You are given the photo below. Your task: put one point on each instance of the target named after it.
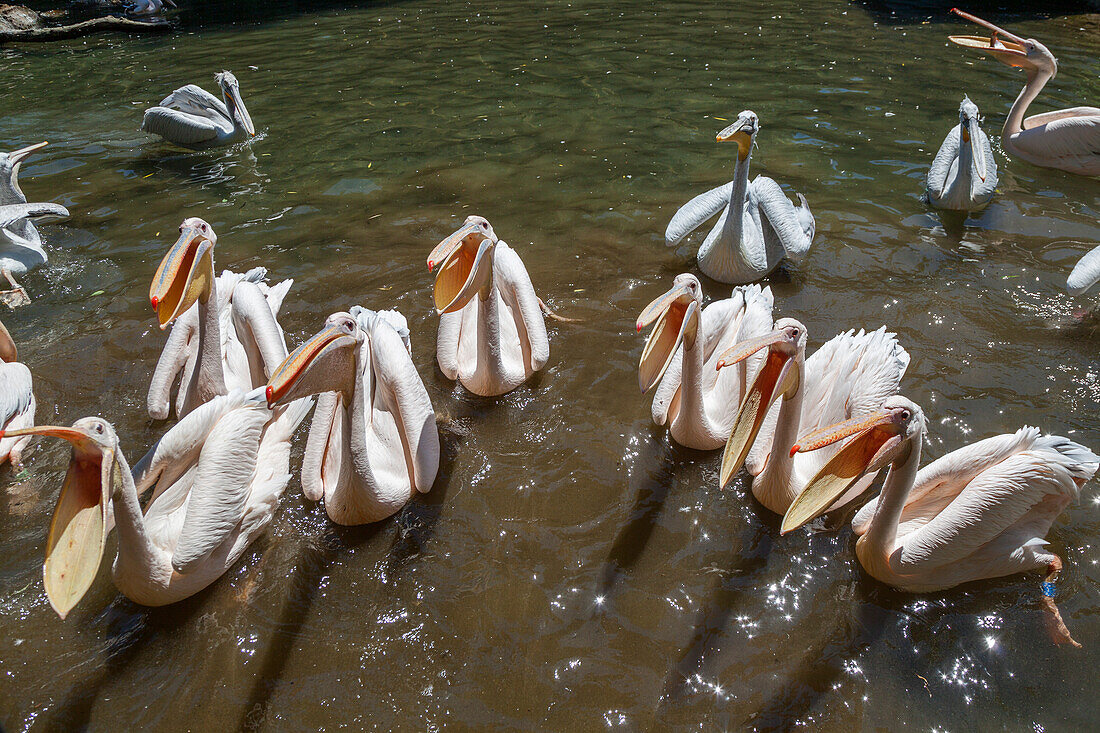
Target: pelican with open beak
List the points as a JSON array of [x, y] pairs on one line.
[[978, 512], [849, 375], [697, 402], [20, 243], [492, 330], [226, 334], [759, 225], [963, 175], [373, 444], [216, 476], [1067, 139], [193, 118]]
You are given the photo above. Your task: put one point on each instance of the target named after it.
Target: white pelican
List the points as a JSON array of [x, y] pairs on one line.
[[145, 8], [1085, 273], [16, 399], [218, 476], [978, 512], [492, 332], [193, 118], [759, 226], [849, 376], [373, 443], [1067, 139], [697, 402], [963, 175], [226, 335], [20, 244]]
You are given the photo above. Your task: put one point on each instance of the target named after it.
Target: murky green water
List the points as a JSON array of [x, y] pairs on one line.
[[571, 569]]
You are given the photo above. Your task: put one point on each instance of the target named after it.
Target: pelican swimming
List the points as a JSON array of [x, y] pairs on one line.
[[226, 334], [759, 226], [217, 477], [145, 8], [193, 118], [373, 443], [492, 332], [1067, 139], [978, 512], [697, 402], [963, 175], [16, 399], [1085, 273], [20, 243], [849, 376]]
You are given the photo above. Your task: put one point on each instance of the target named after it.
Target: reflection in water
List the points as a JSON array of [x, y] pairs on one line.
[[571, 569]]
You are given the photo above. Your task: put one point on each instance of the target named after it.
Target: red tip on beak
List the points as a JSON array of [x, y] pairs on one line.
[[155, 300], [269, 392], [1, 434], [430, 265], [639, 328], [794, 449]]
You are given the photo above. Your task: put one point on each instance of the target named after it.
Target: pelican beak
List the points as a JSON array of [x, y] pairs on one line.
[[78, 530], [777, 376], [18, 156], [238, 103], [740, 132], [971, 136], [318, 365], [677, 316], [184, 276], [878, 441], [1002, 45], [465, 265]]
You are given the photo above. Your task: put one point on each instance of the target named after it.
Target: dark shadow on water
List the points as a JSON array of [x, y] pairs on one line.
[[650, 476], [1001, 12], [415, 525]]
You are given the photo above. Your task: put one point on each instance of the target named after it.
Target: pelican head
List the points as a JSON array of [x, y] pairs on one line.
[[9, 168], [78, 530], [969, 127], [231, 92], [465, 262], [1008, 48], [885, 437], [743, 132], [186, 274], [8, 352], [779, 375], [676, 314], [325, 363]]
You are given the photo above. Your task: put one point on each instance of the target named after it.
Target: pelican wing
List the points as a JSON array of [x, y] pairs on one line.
[[195, 100], [12, 213], [1085, 273], [794, 227], [1071, 141], [397, 374], [991, 500], [688, 218], [222, 483], [179, 127], [945, 164], [515, 288]]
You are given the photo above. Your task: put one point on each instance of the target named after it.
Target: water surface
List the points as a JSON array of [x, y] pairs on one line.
[[571, 568]]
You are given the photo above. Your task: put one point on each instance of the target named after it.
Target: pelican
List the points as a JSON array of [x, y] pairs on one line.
[[1085, 273], [20, 244], [697, 402], [759, 226], [145, 8], [1067, 139], [373, 443], [492, 332], [226, 335], [217, 477], [963, 175], [978, 512], [191, 117], [849, 376], [16, 399]]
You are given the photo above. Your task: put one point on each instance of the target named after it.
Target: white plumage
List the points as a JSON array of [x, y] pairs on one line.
[[193, 118]]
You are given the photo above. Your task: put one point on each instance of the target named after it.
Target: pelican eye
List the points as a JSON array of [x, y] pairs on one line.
[[905, 415], [98, 428]]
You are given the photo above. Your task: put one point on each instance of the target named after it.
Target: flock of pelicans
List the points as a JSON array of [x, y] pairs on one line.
[[813, 431]]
